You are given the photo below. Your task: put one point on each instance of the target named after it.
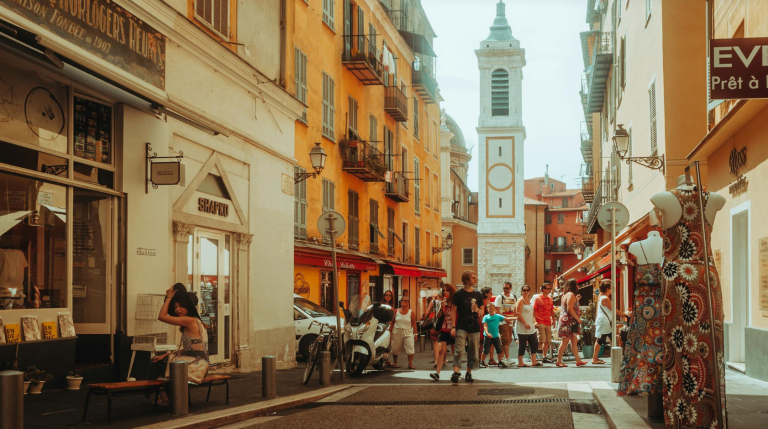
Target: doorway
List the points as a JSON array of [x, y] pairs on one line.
[[740, 285], [211, 279]]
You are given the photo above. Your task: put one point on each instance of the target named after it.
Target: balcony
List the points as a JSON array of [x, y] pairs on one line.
[[584, 93], [588, 189], [400, 19], [397, 189], [396, 104], [361, 57], [605, 193], [363, 160], [565, 248], [586, 144], [601, 58], [424, 82]]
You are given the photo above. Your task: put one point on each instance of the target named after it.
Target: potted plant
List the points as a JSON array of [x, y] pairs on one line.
[[587, 339], [38, 378], [73, 381]]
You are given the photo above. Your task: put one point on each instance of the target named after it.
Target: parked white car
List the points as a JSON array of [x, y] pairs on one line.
[[304, 312]]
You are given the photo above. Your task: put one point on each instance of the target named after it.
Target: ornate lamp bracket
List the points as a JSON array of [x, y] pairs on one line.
[[652, 162]]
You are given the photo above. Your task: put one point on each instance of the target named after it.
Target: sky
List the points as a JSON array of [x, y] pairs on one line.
[[548, 30]]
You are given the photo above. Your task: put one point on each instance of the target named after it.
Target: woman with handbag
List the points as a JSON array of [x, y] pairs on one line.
[[179, 309], [570, 324], [603, 322], [430, 324], [444, 325]]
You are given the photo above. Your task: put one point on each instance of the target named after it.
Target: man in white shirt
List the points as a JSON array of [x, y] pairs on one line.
[[505, 305]]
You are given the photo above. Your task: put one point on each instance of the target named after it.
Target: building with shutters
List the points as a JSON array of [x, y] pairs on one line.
[[86, 232], [365, 71]]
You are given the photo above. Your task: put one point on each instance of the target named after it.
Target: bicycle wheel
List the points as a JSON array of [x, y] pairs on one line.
[[312, 361]]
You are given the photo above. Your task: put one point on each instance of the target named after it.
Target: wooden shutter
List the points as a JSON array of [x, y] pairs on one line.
[[417, 246], [353, 220], [300, 206], [415, 117], [328, 8], [300, 79], [373, 125], [374, 225], [654, 130], [329, 196], [329, 111], [416, 186], [390, 231], [214, 14]]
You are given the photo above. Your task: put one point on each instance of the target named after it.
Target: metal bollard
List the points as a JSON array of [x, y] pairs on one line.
[[179, 388], [421, 343], [325, 368], [11, 400], [655, 406], [268, 384]]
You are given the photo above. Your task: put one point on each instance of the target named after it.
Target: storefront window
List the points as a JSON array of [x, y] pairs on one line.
[[33, 243], [92, 130], [91, 244], [226, 296], [327, 299], [209, 290]]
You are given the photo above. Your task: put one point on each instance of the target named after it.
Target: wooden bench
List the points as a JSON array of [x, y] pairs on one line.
[[125, 388]]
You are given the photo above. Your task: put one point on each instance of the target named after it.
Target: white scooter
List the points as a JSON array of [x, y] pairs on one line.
[[367, 334]]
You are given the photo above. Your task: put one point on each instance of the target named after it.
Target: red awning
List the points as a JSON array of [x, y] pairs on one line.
[[403, 270], [434, 273], [343, 264], [601, 271]]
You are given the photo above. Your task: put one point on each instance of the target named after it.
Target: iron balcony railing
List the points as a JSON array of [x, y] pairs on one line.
[[363, 160], [586, 144], [588, 189], [565, 248], [361, 57], [396, 104], [397, 189], [424, 81], [605, 193], [400, 20], [602, 59]]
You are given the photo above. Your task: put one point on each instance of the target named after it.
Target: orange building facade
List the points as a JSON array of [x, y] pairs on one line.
[[366, 73]]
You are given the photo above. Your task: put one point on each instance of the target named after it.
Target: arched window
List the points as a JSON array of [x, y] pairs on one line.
[[500, 93]]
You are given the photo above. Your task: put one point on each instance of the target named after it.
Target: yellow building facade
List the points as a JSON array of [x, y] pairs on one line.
[[366, 72]]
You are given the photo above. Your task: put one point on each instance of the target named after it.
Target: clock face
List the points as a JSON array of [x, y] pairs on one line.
[[44, 114]]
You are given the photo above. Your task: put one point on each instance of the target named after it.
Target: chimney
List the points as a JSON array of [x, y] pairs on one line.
[[546, 178]]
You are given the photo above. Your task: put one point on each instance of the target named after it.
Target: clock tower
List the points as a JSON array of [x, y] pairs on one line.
[[501, 225]]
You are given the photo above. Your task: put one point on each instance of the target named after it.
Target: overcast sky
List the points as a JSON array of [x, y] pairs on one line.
[[548, 30]]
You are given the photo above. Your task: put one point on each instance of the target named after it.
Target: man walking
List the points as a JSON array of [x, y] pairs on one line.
[[466, 321], [543, 314], [505, 304]]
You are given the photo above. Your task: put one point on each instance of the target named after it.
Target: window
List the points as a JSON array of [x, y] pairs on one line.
[[352, 115], [629, 154], [416, 117], [390, 231], [328, 7], [427, 189], [560, 241], [214, 14], [436, 204], [558, 265], [546, 239], [500, 93], [405, 241], [300, 206], [547, 265], [468, 256], [329, 196], [560, 218], [565, 202], [548, 218], [374, 227], [427, 241], [327, 299], [416, 185], [300, 79], [329, 89], [499, 202], [373, 125], [427, 141], [654, 130], [551, 186], [417, 245], [352, 218]]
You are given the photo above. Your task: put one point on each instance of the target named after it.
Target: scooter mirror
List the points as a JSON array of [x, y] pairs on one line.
[[341, 304]]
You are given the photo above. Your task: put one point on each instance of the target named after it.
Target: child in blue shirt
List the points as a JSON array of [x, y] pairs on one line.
[[491, 323]]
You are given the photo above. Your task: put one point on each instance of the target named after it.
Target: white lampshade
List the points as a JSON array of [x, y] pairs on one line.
[[317, 156], [621, 141]]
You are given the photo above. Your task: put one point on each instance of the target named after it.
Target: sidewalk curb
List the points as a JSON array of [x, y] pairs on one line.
[[244, 412], [618, 413]]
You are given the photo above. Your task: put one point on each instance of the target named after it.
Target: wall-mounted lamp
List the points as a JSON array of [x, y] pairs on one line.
[[621, 146], [448, 244], [317, 156]]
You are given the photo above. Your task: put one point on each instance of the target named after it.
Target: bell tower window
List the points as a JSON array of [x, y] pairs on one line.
[[500, 93]]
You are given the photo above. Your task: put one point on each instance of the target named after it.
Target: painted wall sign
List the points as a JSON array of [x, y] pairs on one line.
[[738, 68], [737, 159], [165, 173], [739, 186], [104, 29], [213, 207], [287, 184]]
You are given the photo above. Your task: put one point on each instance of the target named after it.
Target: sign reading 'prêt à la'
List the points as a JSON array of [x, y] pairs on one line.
[[738, 68]]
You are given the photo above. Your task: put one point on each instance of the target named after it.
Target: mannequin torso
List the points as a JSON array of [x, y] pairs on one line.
[[650, 250], [671, 211]]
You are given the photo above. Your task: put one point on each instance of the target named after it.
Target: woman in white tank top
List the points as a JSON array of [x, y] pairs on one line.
[[403, 328], [526, 329]]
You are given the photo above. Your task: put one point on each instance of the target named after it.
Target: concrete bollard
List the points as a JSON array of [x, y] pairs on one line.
[[616, 353], [325, 368], [655, 406], [11, 400], [421, 343], [179, 389], [268, 375]]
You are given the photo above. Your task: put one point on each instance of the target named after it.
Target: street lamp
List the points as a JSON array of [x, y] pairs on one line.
[[621, 147], [448, 244], [317, 156]]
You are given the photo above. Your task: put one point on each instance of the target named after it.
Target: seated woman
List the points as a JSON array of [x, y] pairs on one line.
[[179, 309]]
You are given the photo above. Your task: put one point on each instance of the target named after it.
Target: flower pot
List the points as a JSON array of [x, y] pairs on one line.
[[35, 388], [73, 383], [587, 351], [26, 386]]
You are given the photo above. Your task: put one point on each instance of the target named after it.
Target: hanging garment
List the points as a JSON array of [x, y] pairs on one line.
[[641, 366], [690, 355]]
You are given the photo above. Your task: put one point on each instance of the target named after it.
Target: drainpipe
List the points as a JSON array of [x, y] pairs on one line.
[[283, 37], [710, 113]]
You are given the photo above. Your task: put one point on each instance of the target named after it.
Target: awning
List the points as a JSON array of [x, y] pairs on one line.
[[601, 271], [434, 273], [629, 232], [327, 261], [418, 43], [403, 270], [10, 220]]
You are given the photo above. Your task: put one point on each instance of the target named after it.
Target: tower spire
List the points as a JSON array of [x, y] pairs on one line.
[[500, 30]]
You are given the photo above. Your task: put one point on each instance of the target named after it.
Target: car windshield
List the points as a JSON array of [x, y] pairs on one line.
[[311, 308]]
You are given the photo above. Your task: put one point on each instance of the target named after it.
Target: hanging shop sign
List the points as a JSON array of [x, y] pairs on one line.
[[165, 173], [212, 207], [104, 29], [738, 68]]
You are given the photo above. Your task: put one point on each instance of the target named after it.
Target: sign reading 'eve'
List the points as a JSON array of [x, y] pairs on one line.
[[738, 68], [104, 29]]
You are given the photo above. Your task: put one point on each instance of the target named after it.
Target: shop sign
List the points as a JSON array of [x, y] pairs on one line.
[[140, 251], [738, 68], [328, 263], [165, 173], [45, 198], [739, 186], [104, 29], [213, 207]]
